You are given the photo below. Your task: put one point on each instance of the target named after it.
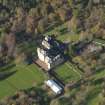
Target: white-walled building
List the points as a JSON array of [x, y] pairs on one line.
[[49, 53], [57, 89]]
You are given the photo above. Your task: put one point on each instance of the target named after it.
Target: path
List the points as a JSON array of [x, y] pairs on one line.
[[100, 43], [72, 68]]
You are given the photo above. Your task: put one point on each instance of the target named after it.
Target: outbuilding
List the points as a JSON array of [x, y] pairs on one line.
[[56, 88]]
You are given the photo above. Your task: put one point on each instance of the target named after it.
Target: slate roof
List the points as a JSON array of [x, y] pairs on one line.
[[54, 50]]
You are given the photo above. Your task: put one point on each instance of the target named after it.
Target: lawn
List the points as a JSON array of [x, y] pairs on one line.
[[67, 73], [24, 77], [64, 35], [94, 96], [99, 75], [68, 37]]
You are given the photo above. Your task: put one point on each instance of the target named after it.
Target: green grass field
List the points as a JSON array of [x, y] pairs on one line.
[[25, 77], [66, 73]]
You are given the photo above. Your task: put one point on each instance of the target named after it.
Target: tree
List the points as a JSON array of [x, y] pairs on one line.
[[55, 102], [52, 17], [31, 20], [20, 58], [10, 42], [62, 14], [20, 14], [41, 26], [73, 25], [70, 3], [19, 23], [30, 24]]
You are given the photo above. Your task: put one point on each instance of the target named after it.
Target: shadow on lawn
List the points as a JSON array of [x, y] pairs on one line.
[[7, 68], [5, 75], [63, 31], [7, 71]]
